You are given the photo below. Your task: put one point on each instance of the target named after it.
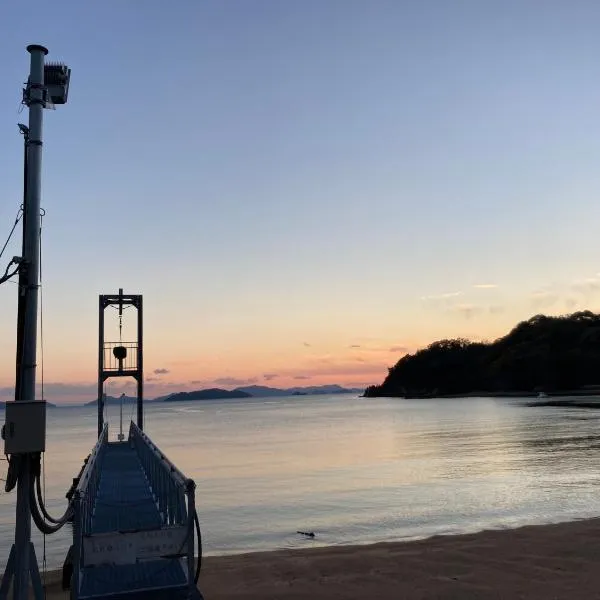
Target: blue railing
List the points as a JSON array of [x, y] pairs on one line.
[[84, 500], [170, 489]]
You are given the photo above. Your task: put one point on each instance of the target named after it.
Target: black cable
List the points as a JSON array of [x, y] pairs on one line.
[[38, 519], [38, 510], [199, 536], [43, 509], [8, 275], [18, 218]]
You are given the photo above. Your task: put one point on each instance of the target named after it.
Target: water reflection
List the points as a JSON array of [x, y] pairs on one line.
[[352, 469]]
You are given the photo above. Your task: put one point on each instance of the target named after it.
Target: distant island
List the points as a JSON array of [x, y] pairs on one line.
[[209, 394], [251, 391], [543, 354], [263, 391], [48, 405]]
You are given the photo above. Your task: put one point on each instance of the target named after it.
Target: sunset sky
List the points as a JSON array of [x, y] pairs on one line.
[[304, 191]]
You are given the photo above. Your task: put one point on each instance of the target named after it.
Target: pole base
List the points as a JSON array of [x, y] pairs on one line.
[[9, 573]]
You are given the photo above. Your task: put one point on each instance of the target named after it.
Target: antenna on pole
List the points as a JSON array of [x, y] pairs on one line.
[[25, 430]]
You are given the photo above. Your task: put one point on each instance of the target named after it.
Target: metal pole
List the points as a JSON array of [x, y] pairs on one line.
[[100, 364], [31, 252], [31, 231], [140, 363], [121, 436]]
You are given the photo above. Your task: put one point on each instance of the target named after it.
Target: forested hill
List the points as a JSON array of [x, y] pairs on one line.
[[548, 354]]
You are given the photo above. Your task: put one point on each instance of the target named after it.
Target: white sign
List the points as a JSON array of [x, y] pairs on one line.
[[126, 548]]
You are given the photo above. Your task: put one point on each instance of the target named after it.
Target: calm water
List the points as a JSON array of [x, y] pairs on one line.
[[353, 470]]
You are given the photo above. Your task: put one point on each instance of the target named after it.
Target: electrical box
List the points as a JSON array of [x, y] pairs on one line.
[[25, 427]]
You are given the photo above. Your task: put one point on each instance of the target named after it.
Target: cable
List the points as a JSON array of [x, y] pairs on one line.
[[199, 536], [39, 512], [8, 275], [17, 219], [38, 518], [42, 496]]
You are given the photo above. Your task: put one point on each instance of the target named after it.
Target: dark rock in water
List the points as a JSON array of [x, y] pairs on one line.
[[310, 534]]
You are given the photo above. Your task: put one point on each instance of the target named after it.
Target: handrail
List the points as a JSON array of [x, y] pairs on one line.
[[84, 499], [135, 433], [170, 488], [91, 465]]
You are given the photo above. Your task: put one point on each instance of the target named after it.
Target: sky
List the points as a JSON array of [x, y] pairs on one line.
[[304, 191]]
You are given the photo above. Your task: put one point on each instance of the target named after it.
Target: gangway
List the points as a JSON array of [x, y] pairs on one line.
[[133, 525]]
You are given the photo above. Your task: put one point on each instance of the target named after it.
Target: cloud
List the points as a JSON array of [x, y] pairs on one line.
[[544, 299], [495, 309], [233, 381], [354, 346], [198, 382], [270, 376], [152, 378], [588, 286], [301, 376], [306, 345], [161, 371], [467, 310], [444, 296], [570, 303], [398, 349], [486, 286]]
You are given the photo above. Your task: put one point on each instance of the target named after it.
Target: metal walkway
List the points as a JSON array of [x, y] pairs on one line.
[[134, 525]]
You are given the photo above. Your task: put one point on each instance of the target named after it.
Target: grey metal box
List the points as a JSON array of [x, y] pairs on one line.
[[25, 428]]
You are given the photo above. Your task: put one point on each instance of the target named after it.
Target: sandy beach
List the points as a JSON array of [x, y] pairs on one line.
[[538, 562]]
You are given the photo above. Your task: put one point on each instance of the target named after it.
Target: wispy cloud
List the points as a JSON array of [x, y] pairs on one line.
[[354, 346], [468, 311], [398, 349], [270, 376], [586, 286], [486, 286], [161, 371], [543, 299], [444, 296], [302, 377], [307, 345]]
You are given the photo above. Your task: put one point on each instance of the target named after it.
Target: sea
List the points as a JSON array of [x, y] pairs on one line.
[[352, 470]]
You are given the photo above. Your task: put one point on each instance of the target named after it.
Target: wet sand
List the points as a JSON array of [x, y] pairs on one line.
[[537, 562]]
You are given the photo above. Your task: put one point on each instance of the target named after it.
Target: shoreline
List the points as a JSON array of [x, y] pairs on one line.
[[533, 561]]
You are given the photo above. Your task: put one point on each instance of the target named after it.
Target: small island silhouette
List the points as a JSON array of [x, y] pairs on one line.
[[543, 354]]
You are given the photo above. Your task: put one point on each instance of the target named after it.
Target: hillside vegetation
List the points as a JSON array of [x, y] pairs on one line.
[[550, 354]]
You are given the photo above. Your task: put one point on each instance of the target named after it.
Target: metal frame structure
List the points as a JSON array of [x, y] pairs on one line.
[[134, 367]]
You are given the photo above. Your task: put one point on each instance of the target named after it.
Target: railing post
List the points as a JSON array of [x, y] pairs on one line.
[[191, 509], [77, 544]]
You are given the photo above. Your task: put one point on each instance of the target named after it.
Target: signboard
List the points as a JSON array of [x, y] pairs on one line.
[[127, 548]]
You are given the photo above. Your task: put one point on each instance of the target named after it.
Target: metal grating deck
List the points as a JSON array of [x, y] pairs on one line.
[[124, 499]]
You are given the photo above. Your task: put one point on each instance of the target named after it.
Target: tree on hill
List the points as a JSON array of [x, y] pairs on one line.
[[542, 353]]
